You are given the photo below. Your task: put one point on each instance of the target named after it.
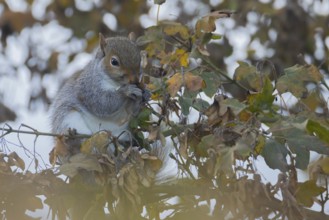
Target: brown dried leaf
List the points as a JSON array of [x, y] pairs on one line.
[[183, 146], [152, 162], [4, 166], [131, 182], [33, 203], [125, 169], [16, 160], [80, 161], [193, 82], [218, 111], [61, 148], [221, 14], [203, 50], [52, 157], [154, 133]]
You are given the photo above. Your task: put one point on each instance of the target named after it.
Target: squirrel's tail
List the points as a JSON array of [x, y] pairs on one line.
[[169, 169]]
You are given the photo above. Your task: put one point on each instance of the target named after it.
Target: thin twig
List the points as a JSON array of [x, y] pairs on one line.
[[188, 47], [38, 133]]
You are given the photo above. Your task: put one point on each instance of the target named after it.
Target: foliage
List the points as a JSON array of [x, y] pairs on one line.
[[215, 151]]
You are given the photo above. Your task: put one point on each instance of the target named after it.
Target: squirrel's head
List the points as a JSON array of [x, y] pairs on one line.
[[120, 58]]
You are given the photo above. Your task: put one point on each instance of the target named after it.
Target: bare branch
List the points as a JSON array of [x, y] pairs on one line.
[[9, 130]]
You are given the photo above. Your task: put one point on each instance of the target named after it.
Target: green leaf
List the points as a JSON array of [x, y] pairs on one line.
[[314, 127], [295, 78], [307, 191], [189, 100], [302, 156], [142, 119], [263, 100], [247, 76], [152, 34], [200, 105], [205, 143], [298, 141], [275, 154], [301, 144], [299, 138], [235, 105], [216, 36], [312, 101], [185, 104], [212, 81]]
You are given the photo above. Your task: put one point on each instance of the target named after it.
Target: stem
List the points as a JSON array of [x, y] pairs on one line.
[[222, 73], [158, 12]]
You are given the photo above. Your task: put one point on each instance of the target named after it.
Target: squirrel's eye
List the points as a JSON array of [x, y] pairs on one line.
[[115, 62]]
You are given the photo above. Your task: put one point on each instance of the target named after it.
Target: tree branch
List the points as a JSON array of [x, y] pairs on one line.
[[9, 130]]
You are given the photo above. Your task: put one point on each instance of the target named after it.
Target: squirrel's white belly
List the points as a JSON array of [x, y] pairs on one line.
[[89, 124]]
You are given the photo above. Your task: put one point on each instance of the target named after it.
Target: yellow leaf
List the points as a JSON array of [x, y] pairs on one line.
[[207, 23], [192, 83], [244, 115], [151, 86], [320, 166], [183, 57], [98, 141], [260, 144], [155, 96], [177, 28], [307, 191], [174, 84]]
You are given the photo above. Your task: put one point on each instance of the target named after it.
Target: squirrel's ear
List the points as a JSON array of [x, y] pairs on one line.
[[132, 36], [102, 43]]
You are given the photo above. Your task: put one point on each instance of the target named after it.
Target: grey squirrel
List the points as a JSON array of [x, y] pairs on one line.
[[105, 95]]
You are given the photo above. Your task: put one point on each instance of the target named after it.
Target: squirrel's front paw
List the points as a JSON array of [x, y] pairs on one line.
[[71, 132], [146, 95], [132, 91]]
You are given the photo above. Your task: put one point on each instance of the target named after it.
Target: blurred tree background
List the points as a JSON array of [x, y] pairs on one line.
[[52, 34], [281, 84]]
